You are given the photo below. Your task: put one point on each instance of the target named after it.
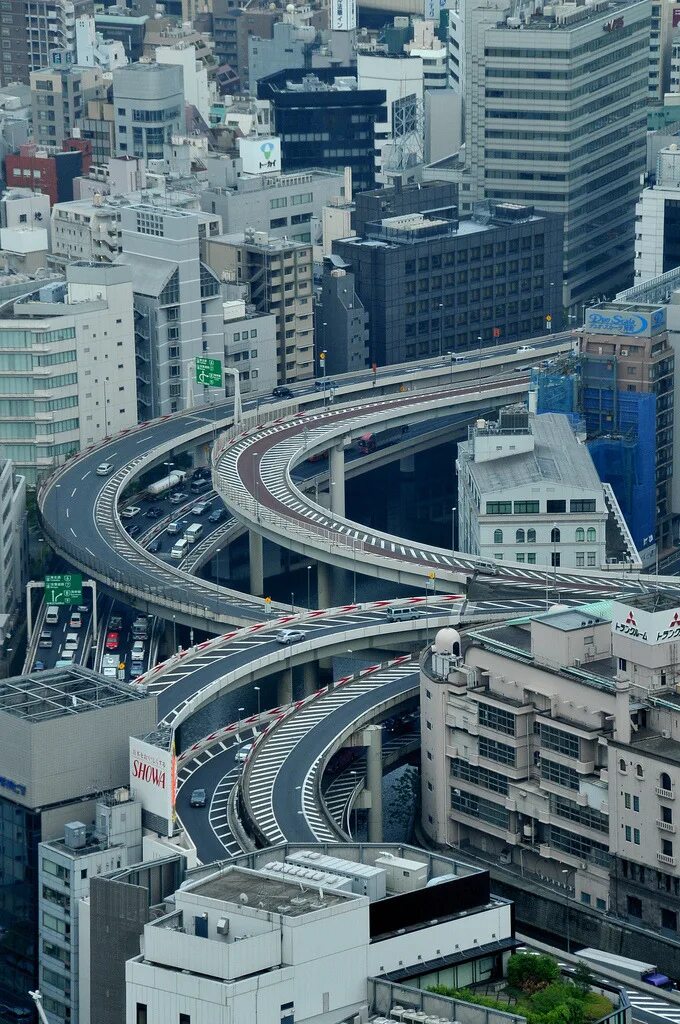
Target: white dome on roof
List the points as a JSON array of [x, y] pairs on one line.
[[446, 641]]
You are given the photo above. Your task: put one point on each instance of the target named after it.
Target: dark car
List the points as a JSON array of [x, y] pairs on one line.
[[155, 545], [134, 530], [153, 513], [38, 666], [116, 622], [198, 798], [216, 515], [281, 391]]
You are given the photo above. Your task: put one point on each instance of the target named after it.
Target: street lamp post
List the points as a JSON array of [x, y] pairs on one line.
[[441, 329], [292, 603], [565, 871], [453, 527], [257, 691], [322, 360], [309, 587], [217, 566]]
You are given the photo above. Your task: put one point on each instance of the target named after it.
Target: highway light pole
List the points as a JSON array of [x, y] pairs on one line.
[[309, 587], [257, 691], [453, 527], [441, 329]]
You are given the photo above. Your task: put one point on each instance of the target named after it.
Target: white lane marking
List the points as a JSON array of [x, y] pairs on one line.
[[85, 475], [67, 514], [74, 491], [73, 531]]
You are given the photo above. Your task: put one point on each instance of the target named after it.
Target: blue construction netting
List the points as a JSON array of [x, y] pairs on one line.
[[555, 392], [626, 459]]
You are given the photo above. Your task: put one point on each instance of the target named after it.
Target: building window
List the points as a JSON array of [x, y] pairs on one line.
[[519, 557], [665, 781], [639, 771], [626, 801], [581, 505], [478, 807], [554, 506], [519, 536], [555, 535], [669, 919], [498, 536], [531, 536], [636, 803], [667, 847], [592, 558], [667, 815], [523, 508], [636, 836], [497, 719], [559, 741], [622, 766], [585, 898], [498, 508], [634, 906], [580, 559], [580, 535], [184, 1018], [559, 774], [531, 558], [141, 1017], [592, 535], [495, 751], [629, 834]]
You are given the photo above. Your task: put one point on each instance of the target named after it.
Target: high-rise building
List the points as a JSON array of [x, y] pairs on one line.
[[555, 116], [148, 101], [59, 97], [432, 284], [13, 543], [278, 274], [341, 322], [73, 347], [65, 740], [39, 32], [178, 306], [399, 139], [326, 120], [657, 220]]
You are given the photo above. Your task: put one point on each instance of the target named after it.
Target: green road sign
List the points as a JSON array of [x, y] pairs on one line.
[[209, 372], [64, 588]]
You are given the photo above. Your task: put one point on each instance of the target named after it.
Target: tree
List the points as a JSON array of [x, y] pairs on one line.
[[532, 973], [583, 977]]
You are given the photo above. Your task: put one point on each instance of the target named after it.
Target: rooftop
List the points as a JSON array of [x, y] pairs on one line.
[[557, 457], [565, 16], [655, 601], [244, 887], [55, 693], [571, 619]]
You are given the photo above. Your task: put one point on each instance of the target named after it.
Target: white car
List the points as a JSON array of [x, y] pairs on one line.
[[289, 636], [130, 512], [71, 642], [104, 468], [65, 658], [242, 752], [526, 348]]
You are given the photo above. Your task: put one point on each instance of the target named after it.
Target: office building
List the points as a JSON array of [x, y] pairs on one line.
[[278, 274], [657, 220], [535, 133], [266, 939], [58, 97], [249, 347], [528, 492], [123, 26], [342, 328], [549, 746], [226, 15], [178, 306], [282, 205], [13, 544], [664, 21], [287, 47], [66, 866], [93, 50], [48, 170], [194, 74], [74, 346], [64, 742], [399, 139], [24, 230], [324, 119], [149, 108], [433, 284], [39, 32], [627, 395]]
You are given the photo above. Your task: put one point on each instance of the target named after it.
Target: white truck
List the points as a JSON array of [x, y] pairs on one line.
[[166, 483], [640, 970]]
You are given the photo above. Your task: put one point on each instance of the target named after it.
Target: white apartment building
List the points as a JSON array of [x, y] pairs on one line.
[[286, 935], [13, 543], [657, 216], [549, 745], [249, 347], [65, 867], [528, 492], [67, 368], [194, 74], [399, 141], [24, 230]]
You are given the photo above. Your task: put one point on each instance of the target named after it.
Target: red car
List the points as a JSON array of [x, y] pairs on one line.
[[112, 641]]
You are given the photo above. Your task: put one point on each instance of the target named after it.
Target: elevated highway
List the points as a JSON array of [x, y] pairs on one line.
[[79, 509]]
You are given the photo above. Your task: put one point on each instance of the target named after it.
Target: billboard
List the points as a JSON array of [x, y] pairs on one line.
[[650, 628], [626, 320], [343, 15], [260, 156], [153, 779]]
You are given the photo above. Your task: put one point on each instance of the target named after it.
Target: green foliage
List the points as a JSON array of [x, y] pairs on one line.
[[583, 977], [532, 973], [543, 995]]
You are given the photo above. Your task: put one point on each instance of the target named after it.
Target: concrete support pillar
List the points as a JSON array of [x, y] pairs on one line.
[[337, 482], [407, 465], [372, 737], [310, 680], [323, 586], [284, 693], [256, 564]]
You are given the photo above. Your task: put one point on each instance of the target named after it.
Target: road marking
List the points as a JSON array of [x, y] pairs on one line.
[[74, 491], [85, 475], [73, 531], [67, 514]]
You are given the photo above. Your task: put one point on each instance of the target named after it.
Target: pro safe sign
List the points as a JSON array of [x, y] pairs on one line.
[[647, 627]]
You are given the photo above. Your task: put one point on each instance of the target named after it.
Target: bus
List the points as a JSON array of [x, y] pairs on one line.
[[193, 532], [370, 442]]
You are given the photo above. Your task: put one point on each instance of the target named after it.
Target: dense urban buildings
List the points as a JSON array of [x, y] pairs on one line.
[[38, 32], [149, 108], [434, 284], [657, 220]]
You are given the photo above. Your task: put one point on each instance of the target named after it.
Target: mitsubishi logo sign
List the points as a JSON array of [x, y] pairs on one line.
[[630, 619]]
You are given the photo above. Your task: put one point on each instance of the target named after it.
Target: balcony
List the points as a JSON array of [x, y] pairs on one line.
[[665, 794], [663, 858], [665, 826]]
